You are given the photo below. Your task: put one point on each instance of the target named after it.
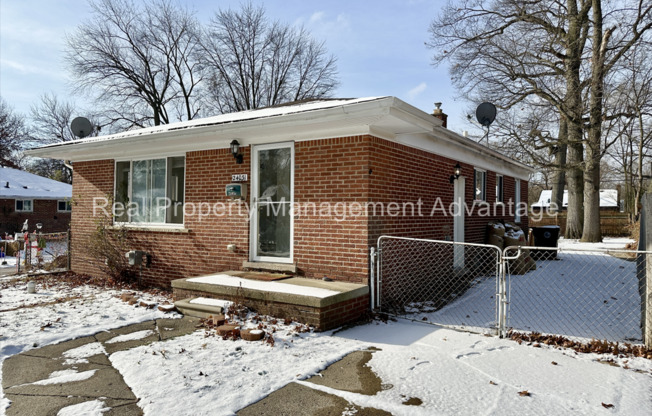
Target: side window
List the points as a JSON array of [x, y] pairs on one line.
[[499, 189], [480, 180], [517, 200], [24, 205], [64, 205]]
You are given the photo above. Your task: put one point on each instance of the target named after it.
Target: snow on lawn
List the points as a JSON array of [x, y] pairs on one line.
[[581, 295], [451, 372], [462, 373], [60, 312], [203, 369]]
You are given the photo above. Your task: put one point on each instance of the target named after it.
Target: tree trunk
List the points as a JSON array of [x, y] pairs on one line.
[[592, 232], [559, 174], [572, 109]]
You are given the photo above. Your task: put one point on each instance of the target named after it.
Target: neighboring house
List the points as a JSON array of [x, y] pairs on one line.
[[608, 200], [25, 196], [329, 159]]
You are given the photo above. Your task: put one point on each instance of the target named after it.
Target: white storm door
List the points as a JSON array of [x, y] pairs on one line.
[[272, 224]]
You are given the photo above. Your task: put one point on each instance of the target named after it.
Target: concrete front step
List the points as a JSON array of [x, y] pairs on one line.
[[200, 307], [323, 304]]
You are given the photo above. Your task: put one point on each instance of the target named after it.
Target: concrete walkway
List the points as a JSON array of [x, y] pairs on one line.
[[349, 374], [26, 379], [25, 376]]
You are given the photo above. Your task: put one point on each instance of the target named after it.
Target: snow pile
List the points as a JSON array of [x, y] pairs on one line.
[[131, 337], [80, 354], [65, 376], [89, 408]]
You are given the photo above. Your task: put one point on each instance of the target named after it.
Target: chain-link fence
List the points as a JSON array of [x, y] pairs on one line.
[[46, 251], [452, 284], [578, 294]]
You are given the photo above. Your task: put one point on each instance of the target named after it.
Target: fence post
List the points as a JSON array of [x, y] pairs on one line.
[[645, 281], [501, 297], [372, 263], [68, 252]]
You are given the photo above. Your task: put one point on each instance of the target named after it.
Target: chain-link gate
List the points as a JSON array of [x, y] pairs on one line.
[[580, 294], [451, 284], [575, 293]]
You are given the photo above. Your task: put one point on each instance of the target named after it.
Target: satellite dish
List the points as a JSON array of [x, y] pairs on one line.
[[486, 114], [81, 127]]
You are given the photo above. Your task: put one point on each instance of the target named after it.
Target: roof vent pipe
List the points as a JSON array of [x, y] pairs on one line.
[[7, 185]]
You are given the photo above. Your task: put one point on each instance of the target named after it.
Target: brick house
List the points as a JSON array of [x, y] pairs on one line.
[[25, 196], [352, 170]]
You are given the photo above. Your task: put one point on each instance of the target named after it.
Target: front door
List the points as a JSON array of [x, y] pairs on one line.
[[272, 198]]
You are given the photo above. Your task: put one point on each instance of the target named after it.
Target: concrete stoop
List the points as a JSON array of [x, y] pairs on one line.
[[322, 304]]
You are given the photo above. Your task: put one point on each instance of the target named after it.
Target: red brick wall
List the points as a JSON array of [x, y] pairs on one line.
[[403, 174], [475, 225], [332, 171], [344, 172], [44, 212]]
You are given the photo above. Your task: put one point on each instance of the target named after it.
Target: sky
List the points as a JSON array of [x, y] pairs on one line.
[[380, 48]]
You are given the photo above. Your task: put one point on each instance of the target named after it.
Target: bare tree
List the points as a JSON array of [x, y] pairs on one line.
[[254, 63], [51, 120], [510, 51], [13, 135], [139, 61]]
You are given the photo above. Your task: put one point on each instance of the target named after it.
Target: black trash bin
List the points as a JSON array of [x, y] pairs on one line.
[[545, 236]]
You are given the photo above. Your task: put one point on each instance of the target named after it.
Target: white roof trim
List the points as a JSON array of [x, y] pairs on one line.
[[385, 117]]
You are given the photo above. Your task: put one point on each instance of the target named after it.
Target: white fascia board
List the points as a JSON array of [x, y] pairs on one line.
[[452, 149], [343, 120], [388, 118]]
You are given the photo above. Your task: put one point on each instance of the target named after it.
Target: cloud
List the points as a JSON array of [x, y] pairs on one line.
[[317, 16], [416, 91], [22, 68]]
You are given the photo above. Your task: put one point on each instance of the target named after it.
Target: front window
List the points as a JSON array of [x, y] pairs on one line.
[[480, 185], [63, 205], [24, 205], [150, 191]]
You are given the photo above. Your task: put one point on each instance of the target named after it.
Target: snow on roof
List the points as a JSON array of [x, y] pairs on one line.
[[608, 199], [16, 184], [259, 113]]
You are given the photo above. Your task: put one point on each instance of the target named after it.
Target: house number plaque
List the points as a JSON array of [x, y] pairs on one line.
[[243, 177]]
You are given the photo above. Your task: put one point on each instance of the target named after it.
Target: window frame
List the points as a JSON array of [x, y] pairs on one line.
[[131, 224], [517, 200], [500, 189], [483, 194], [31, 205], [68, 205]]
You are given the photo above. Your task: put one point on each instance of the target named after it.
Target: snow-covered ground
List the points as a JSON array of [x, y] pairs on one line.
[[451, 372], [59, 312], [581, 295]]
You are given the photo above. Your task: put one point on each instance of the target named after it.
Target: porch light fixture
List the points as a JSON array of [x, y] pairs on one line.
[[456, 173], [235, 150]]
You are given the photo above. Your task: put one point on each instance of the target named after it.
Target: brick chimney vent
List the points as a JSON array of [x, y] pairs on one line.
[[439, 113]]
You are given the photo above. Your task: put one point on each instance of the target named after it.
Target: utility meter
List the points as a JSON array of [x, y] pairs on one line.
[[135, 257]]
